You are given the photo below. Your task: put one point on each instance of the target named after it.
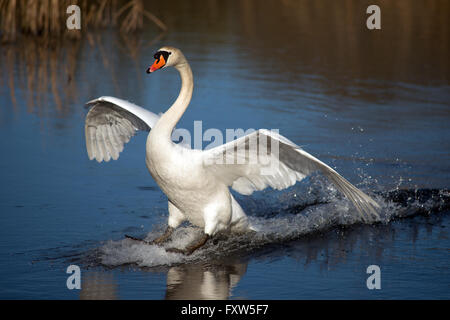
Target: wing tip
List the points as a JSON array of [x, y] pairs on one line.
[[91, 103], [366, 206]]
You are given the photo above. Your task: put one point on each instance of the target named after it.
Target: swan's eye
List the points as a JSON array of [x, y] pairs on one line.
[[165, 55]]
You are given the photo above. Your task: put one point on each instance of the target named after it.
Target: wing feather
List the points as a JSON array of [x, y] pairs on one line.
[[100, 145], [92, 145], [117, 138], [107, 140], [111, 141]]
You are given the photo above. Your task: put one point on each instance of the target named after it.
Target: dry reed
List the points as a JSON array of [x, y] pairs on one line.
[[47, 18]]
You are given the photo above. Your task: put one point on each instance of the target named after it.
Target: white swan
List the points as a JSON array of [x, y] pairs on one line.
[[197, 182]]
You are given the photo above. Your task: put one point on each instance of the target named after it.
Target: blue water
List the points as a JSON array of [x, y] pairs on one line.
[[380, 117]]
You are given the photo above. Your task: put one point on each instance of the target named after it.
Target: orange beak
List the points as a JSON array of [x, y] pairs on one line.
[[158, 64]]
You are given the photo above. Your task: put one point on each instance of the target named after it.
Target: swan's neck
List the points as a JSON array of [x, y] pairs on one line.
[[171, 117]]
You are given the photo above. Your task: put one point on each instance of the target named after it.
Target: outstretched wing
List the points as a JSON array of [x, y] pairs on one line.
[[266, 159], [110, 123]]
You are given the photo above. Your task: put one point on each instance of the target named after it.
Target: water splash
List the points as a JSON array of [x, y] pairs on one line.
[[317, 210]]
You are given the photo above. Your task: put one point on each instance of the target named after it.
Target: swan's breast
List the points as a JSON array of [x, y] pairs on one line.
[[180, 174], [175, 168]]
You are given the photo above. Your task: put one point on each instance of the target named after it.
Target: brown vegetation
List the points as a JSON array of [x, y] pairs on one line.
[[47, 18]]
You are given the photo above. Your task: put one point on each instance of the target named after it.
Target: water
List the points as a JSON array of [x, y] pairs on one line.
[[373, 105]]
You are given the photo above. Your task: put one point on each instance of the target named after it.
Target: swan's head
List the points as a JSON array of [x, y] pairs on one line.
[[167, 57]]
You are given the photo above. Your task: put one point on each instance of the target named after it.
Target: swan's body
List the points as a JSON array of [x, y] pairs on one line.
[[196, 182]]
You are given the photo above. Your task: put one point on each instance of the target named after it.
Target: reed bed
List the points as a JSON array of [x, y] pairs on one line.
[[47, 18], [38, 56]]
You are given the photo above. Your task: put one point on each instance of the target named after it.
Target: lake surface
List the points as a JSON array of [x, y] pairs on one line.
[[375, 105]]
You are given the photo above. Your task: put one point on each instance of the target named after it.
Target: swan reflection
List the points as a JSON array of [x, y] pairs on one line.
[[202, 282], [184, 282]]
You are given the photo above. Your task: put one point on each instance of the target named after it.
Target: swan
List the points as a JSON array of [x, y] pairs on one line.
[[197, 182]]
